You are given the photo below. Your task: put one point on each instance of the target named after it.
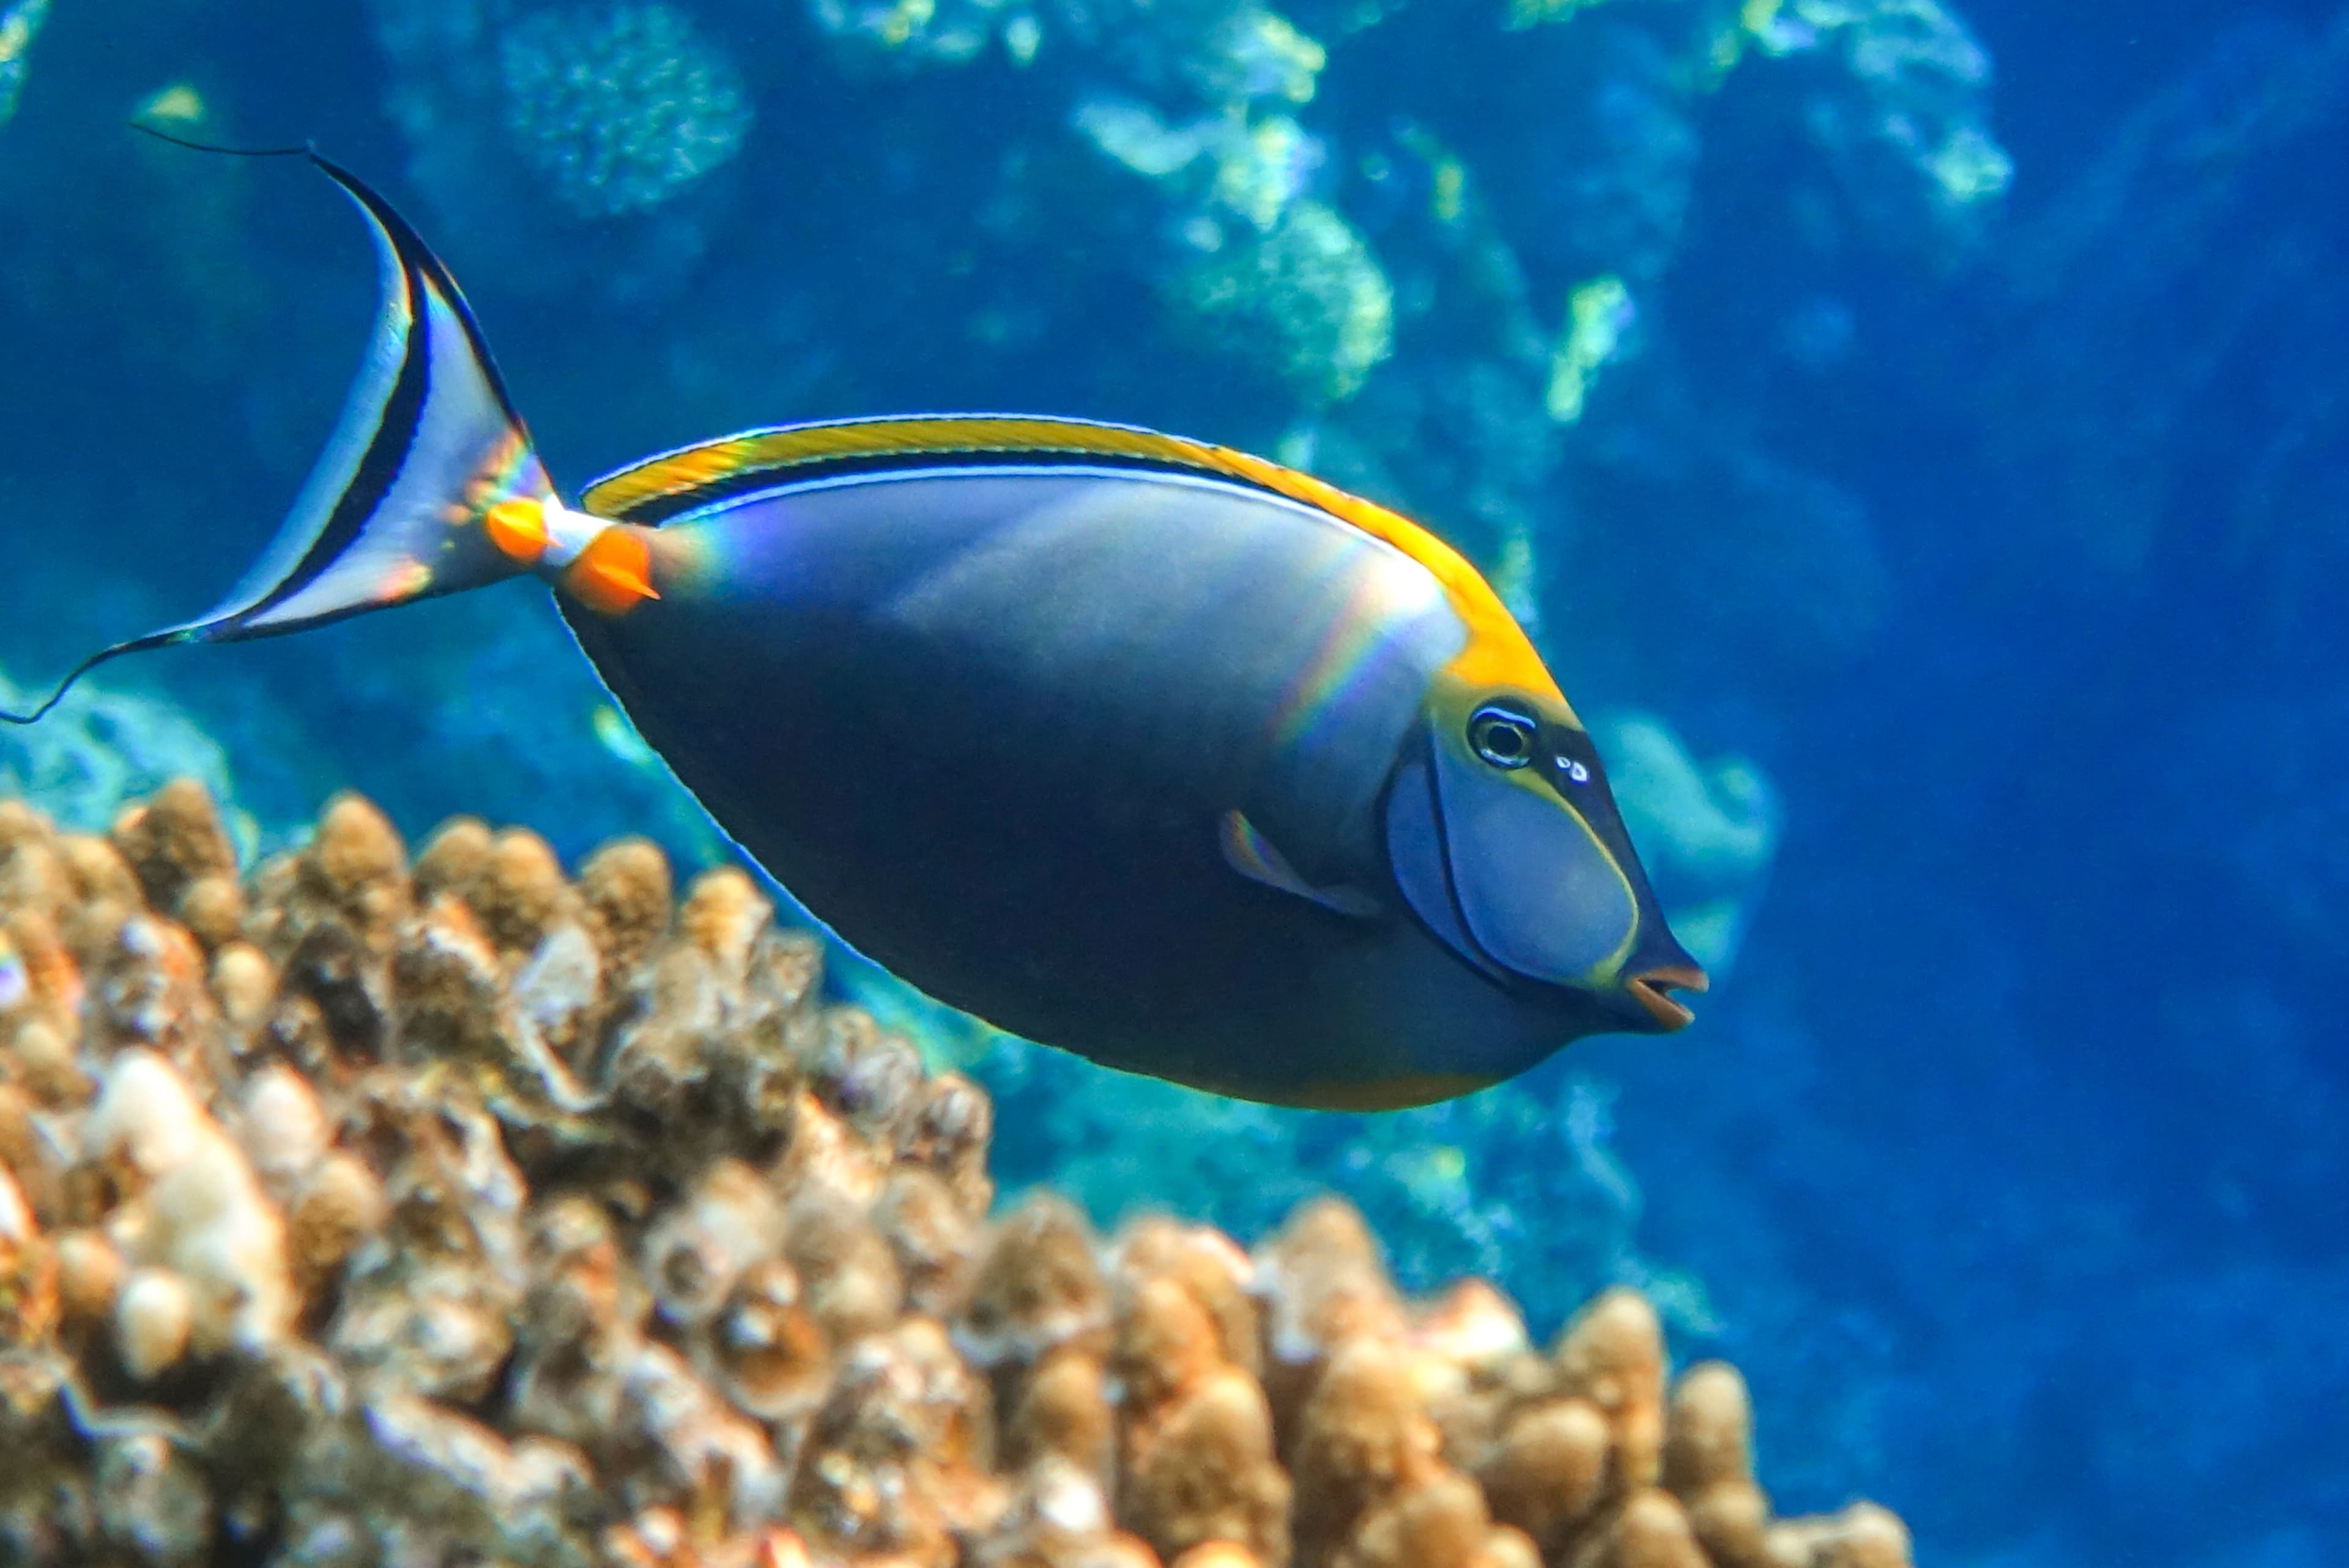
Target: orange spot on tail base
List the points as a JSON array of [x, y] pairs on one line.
[[614, 574], [517, 526]]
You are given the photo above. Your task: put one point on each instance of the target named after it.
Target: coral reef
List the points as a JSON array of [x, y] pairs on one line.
[[1524, 1182], [101, 748], [1899, 111], [618, 109], [374, 1212]]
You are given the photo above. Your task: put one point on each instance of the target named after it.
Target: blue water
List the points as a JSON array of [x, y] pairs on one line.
[[1968, 456]]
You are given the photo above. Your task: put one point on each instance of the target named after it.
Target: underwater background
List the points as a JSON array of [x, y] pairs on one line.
[[1918, 438]]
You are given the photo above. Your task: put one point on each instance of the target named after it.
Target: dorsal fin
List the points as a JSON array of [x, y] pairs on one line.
[[662, 487]]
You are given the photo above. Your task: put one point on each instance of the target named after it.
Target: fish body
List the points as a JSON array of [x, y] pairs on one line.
[[1132, 744], [988, 721]]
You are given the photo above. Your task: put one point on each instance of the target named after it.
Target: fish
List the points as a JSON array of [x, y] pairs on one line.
[[1135, 745]]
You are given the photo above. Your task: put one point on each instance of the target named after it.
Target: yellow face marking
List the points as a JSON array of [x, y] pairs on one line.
[[1497, 655]]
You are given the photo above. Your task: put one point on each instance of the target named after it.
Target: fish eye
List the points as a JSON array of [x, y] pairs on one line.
[[1502, 736]]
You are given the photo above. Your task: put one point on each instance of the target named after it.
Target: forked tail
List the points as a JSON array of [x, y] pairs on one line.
[[428, 486]]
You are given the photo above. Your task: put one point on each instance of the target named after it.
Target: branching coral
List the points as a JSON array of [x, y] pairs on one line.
[[619, 108], [326, 1239], [1306, 300], [1903, 115]]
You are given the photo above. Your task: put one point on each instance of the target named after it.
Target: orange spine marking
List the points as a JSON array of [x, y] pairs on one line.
[[613, 573], [517, 526]]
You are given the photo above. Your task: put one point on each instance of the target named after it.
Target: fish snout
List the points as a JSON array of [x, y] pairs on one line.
[[1652, 988]]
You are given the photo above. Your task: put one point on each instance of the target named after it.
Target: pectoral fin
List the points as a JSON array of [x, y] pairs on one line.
[[1258, 858]]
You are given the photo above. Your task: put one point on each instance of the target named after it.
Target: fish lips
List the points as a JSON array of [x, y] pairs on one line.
[[1652, 988]]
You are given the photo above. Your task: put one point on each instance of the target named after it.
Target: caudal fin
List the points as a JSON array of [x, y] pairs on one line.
[[414, 494]]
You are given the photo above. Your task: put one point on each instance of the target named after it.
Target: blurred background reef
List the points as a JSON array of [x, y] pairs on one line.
[[1933, 502]]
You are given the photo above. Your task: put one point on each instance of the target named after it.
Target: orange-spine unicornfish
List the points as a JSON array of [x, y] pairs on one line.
[[1133, 744]]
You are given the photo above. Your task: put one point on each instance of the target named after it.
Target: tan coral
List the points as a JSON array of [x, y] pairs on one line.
[[934, 1240], [102, 891], [950, 1135], [1206, 1471], [1060, 1519], [890, 1467], [723, 915], [340, 1204], [627, 897], [29, 1289], [35, 1158], [1208, 1265], [1363, 1437], [428, 1301], [1647, 1529], [1063, 1411], [1861, 1536], [1440, 1523], [455, 860], [1547, 1474], [1041, 1287], [1324, 1284], [730, 1219], [1709, 1465], [1612, 1354], [765, 1349], [353, 874], [1218, 1554], [41, 995], [90, 1273], [200, 1210], [185, 861], [521, 895], [150, 985], [703, 1045], [1476, 1367], [869, 1077], [32, 875], [244, 981], [479, 1215], [850, 1275]]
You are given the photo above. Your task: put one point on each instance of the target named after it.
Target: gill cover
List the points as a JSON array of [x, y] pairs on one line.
[[1540, 894], [427, 450], [1504, 869]]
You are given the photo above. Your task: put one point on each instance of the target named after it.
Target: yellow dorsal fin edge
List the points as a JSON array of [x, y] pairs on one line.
[[1497, 652]]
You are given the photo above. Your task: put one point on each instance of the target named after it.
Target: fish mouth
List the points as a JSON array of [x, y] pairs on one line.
[[1653, 990]]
